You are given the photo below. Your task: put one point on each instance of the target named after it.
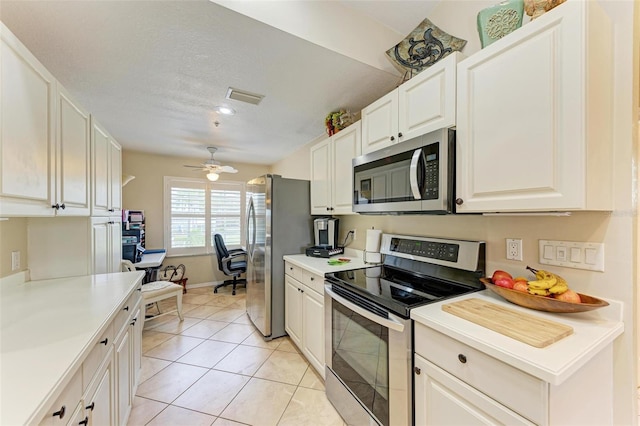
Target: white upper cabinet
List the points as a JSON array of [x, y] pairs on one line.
[[332, 172], [45, 149], [106, 159], [534, 117], [27, 131], [73, 159], [425, 103]]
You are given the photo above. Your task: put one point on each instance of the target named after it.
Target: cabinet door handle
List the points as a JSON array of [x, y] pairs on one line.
[[459, 201], [55, 206], [417, 370], [462, 358], [138, 289], [105, 341], [312, 278], [400, 134], [392, 138], [126, 308], [90, 407], [62, 206], [85, 421], [60, 413], [111, 210]]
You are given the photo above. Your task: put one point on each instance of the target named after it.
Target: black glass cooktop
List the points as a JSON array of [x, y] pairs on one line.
[[394, 289]]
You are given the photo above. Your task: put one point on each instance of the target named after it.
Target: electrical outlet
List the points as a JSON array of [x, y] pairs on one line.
[[15, 260], [514, 249]]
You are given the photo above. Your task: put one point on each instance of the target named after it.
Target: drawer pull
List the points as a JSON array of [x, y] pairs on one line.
[[417, 370], [85, 421], [61, 412], [311, 278], [126, 308], [134, 321], [90, 407], [462, 358], [139, 289], [105, 341]]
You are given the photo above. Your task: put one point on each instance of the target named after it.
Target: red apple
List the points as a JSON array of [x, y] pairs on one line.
[[569, 296], [500, 274], [520, 286], [505, 282]]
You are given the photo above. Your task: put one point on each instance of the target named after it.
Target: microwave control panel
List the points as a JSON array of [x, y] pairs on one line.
[[431, 154]]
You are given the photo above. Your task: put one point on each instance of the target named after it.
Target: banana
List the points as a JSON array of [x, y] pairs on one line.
[[538, 292], [543, 284], [558, 289]]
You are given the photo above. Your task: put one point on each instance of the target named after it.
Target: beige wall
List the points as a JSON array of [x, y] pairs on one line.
[[145, 192], [13, 237], [297, 165]]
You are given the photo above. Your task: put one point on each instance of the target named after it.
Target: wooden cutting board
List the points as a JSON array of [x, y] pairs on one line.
[[529, 329]]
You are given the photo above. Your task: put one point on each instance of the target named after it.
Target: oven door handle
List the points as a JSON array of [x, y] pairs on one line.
[[414, 173], [392, 322]]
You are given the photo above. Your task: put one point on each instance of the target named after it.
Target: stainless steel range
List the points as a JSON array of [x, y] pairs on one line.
[[369, 334]]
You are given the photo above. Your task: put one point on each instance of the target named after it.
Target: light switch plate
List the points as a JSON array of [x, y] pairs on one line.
[[572, 254]]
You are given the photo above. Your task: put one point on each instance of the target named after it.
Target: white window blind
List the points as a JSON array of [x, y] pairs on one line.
[[196, 210]]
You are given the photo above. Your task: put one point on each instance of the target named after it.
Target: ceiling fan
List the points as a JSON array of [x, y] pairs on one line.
[[213, 167]]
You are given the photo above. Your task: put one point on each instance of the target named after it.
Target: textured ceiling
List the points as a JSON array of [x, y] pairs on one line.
[[153, 71]]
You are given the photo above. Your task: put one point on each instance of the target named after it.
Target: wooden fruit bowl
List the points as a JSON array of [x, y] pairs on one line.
[[547, 304]]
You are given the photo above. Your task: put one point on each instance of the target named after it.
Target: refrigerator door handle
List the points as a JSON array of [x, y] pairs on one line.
[[251, 230]]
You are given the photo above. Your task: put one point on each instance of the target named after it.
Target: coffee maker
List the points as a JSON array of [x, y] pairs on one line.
[[325, 231]]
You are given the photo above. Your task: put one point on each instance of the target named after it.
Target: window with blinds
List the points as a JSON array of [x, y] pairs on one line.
[[196, 210]]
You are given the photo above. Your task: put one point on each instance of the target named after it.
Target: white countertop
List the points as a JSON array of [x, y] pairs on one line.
[[46, 329], [320, 265], [592, 332]]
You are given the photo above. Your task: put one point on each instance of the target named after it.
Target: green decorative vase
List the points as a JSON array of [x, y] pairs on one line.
[[497, 21]]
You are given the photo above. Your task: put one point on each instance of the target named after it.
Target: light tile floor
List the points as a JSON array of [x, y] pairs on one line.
[[215, 368]]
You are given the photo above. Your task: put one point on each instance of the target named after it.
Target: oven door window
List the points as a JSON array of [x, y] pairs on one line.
[[360, 357]]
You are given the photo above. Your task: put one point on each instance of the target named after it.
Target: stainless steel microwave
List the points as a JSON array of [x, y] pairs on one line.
[[416, 176]]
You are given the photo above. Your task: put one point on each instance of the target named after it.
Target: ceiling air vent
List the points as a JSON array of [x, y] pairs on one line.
[[242, 96]]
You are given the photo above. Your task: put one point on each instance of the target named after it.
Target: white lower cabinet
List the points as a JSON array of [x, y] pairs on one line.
[[99, 400], [304, 315], [457, 384], [443, 399], [102, 389]]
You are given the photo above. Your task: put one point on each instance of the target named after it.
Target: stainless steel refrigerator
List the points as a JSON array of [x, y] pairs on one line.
[[279, 222]]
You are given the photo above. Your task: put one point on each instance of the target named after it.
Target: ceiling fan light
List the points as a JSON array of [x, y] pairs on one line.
[[225, 110], [213, 176]]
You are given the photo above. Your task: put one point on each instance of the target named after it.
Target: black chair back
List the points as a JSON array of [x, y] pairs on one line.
[[221, 249]]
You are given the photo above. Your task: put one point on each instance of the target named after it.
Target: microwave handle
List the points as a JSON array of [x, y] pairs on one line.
[[413, 174]]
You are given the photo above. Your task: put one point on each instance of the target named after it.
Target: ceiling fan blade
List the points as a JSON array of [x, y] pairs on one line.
[[228, 169], [193, 167]]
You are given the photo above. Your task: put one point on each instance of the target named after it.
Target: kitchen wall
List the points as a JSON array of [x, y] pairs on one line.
[[618, 230], [13, 237], [146, 192]]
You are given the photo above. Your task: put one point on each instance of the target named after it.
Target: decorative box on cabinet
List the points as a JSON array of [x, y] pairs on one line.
[[534, 116], [106, 158], [423, 104], [304, 313], [331, 172], [45, 139]]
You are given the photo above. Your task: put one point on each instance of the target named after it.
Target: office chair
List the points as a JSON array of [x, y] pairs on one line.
[[232, 263], [156, 291]]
